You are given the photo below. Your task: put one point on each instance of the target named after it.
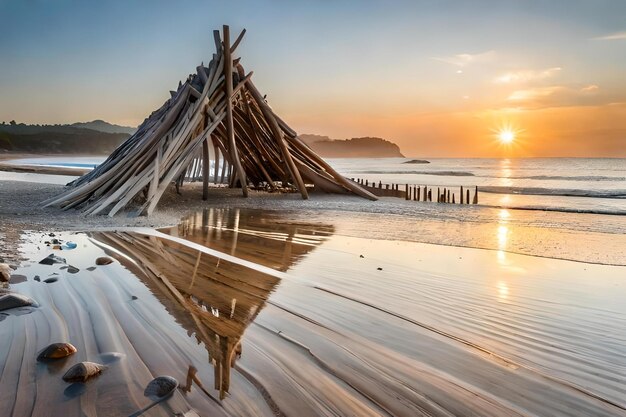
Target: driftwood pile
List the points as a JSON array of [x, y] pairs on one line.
[[220, 106]]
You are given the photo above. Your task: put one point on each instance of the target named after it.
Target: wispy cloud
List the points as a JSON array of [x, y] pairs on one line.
[[535, 93], [611, 37], [524, 76], [556, 96], [592, 88], [463, 60]]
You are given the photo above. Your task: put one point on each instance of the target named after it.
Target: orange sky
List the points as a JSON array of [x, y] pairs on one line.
[[437, 78]]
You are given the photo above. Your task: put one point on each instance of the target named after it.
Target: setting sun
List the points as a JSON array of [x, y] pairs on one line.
[[506, 136]]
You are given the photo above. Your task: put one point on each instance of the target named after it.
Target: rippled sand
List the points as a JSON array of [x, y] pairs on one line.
[[259, 314]]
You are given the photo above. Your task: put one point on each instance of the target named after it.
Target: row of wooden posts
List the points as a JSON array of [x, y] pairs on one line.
[[418, 193]]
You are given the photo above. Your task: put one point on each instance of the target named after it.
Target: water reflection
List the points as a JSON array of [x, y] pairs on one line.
[[260, 237], [503, 291], [505, 173], [212, 299]]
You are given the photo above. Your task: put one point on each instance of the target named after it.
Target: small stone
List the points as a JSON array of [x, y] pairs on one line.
[[72, 269], [379, 268], [134, 297], [52, 259], [83, 371], [361, 256], [91, 268], [50, 280], [16, 278], [56, 351], [104, 260], [5, 273], [36, 278], [161, 386], [14, 300]]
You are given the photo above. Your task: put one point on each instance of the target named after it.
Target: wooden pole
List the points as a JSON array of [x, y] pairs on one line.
[[467, 195], [230, 129], [217, 161], [461, 201], [475, 196], [205, 169], [278, 136], [430, 195]]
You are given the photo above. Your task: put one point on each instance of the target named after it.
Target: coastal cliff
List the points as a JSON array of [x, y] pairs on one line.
[[366, 147]]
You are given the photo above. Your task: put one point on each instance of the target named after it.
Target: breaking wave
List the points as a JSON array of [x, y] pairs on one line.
[[555, 192]]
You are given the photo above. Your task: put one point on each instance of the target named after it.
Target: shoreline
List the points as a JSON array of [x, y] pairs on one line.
[[6, 166], [594, 238]]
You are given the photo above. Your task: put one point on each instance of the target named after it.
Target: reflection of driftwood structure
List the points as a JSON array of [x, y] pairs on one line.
[[215, 300], [217, 106], [235, 232]]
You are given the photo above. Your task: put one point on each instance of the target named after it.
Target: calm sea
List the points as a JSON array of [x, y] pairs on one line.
[[582, 185], [559, 184]]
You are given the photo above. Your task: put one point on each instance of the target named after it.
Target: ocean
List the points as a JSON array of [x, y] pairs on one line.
[[588, 185], [578, 185]]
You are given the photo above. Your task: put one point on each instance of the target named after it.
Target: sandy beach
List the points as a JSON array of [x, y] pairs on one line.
[[276, 306]]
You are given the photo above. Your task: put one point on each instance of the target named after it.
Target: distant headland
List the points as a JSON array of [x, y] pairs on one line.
[[101, 138], [97, 137], [366, 147]]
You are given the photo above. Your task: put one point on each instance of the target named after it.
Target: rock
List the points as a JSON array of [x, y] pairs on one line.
[[160, 387], [379, 268], [83, 371], [56, 351], [52, 259], [104, 260], [50, 280], [14, 300], [36, 278], [72, 269], [57, 247], [417, 161], [91, 268], [134, 297], [361, 256], [16, 278], [5, 272]]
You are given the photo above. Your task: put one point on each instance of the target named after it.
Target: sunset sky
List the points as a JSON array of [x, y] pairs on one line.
[[439, 78]]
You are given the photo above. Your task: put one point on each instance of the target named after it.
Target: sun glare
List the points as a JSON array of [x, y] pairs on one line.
[[506, 136]]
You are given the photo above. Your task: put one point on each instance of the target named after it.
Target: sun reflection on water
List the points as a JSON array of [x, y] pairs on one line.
[[503, 291], [505, 173]]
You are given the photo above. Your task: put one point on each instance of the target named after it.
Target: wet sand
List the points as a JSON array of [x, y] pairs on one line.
[[283, 316]]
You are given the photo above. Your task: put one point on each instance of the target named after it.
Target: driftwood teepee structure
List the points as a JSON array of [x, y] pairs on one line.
[[218, 106]]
